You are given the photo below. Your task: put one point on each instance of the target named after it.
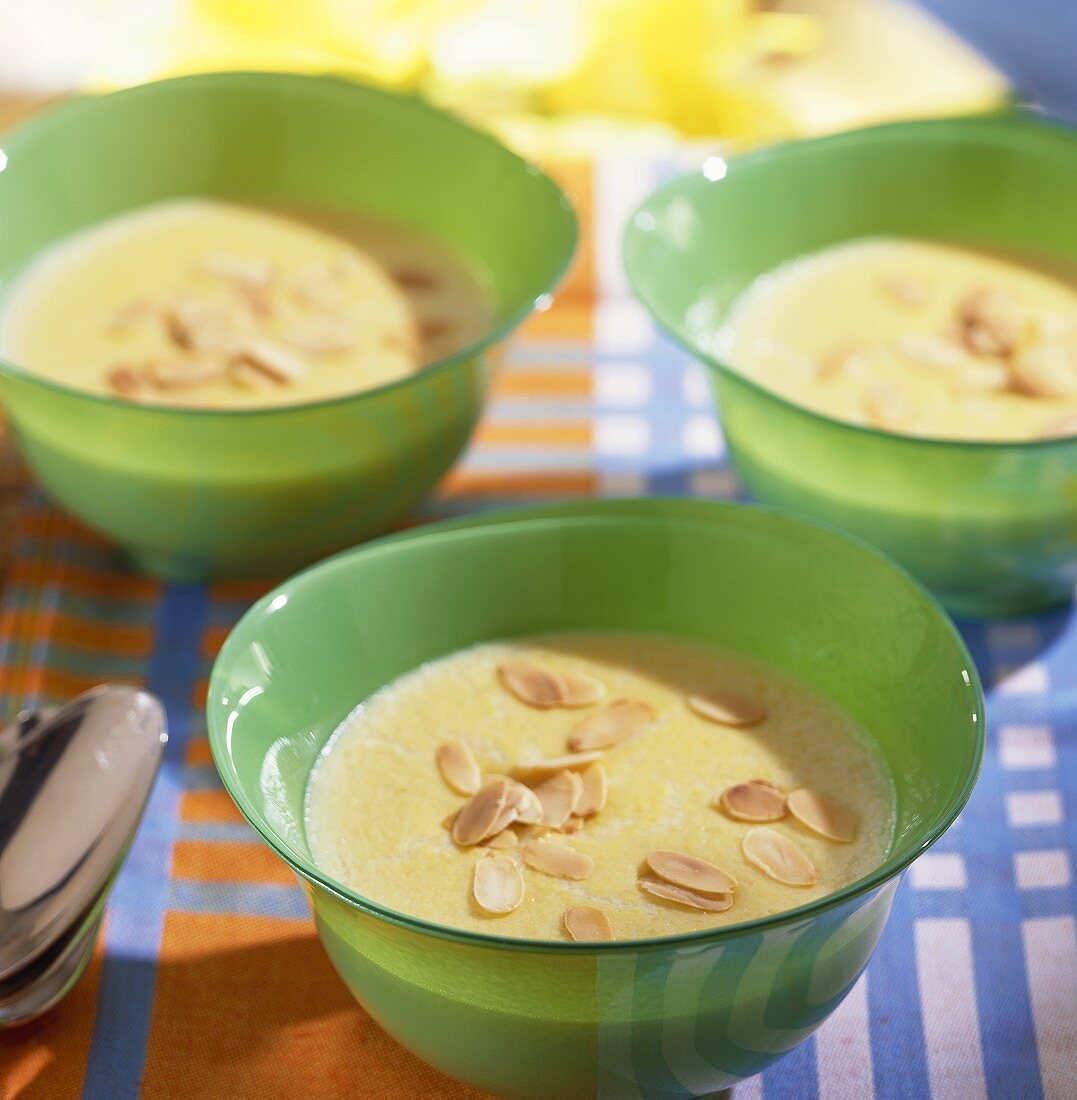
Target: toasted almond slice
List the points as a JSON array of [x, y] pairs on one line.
[[714, 903], [321, 335], [581, 690], [979, 375], [248, 377], [991, 322], [477, 816], [574, 824], [532, 683], [131, 314], [611, 725], [458, 766], [272, 359], [502, 840], [413, 279], [766, 783], [126, 381], [691, 872], [526, 803], [1045, 370], [727, 708], [559, 763], [558, 796], [1060, 427], [498, 885], [238, 269], [557, 860], [318, 285], [836, 361], [778, 856], [595, 790], [752, 802], [198, 325], [182, 374], [822, 816], [587, 924], [932, 351], [904, 289], [886, 405]]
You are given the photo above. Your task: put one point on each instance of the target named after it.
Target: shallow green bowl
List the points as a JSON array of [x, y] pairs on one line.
[[990, 527], [193, 493], [675, 1017]]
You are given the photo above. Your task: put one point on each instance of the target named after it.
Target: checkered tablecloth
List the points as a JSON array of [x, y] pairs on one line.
[[209, 981]]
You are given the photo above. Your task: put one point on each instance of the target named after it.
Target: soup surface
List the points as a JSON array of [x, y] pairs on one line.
[[914, 337], [667, 736], [203, 303]]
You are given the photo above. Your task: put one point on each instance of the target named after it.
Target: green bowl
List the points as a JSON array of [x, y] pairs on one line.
[[685, 1015], [192, 493], [990, 527]]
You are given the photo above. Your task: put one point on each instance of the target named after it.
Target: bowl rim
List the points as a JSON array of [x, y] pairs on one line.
[[954, 128], [332, 84], [651, 510]]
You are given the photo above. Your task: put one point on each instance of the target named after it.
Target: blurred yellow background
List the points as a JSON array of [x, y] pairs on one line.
[[554, 77]]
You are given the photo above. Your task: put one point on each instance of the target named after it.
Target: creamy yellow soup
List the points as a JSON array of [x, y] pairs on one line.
[[391, 788], [914, 337], [209, 304]]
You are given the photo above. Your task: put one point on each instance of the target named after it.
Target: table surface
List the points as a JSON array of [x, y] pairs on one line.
[[209, 980]]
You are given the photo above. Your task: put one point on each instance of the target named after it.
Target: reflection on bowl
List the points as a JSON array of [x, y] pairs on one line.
[[195, 492], [990, 527], [684, 1015]]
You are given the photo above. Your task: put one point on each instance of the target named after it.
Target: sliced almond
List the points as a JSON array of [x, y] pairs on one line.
[[559, 763], [904, 289], [321, 335], [273, 360], [238, 269], [126, 381], [1060, 427], [587, 924], [183, 374], [822, 816], [498, 885], [886, 405], [714, 903], [1045, 370], [611, 725], [574, 824], [691, 872], [727, 708], [595, 790], [835, 362], [448, 821], [197, 325], [412, 279], [318, 285], [532, 683], [991, 322], [766, 783], [502, 840], [557, 860], [753, 802], [131, 314], [248, 377], [931, 351], [480, 813], [528, 807], [558, 796], [581, 690], [778, 856], [458, 766]]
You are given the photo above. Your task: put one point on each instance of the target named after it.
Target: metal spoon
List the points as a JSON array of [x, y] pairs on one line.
[[73, 785], [36, 988]]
